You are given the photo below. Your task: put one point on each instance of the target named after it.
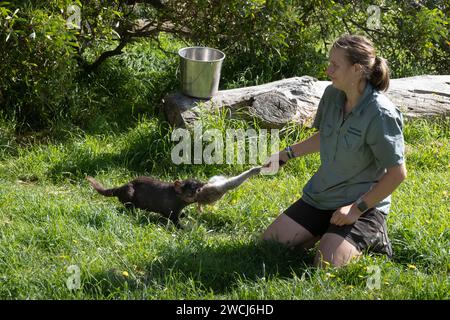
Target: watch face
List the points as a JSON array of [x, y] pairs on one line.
[[362, 206]]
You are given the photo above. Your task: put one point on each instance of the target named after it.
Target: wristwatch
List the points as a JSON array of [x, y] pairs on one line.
[[289, 152], [361, 205]]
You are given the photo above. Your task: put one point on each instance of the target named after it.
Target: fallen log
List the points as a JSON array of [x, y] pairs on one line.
[[296, 99]]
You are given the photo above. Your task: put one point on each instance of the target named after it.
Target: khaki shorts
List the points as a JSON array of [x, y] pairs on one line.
[[369, 232]]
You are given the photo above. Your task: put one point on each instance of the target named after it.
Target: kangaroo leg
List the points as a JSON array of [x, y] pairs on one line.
[[236, 181]]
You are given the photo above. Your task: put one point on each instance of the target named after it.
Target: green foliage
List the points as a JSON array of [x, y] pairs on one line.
[[45, 87], [36, 64], [413, 37], [54, 70], [270, 40], [263, 40]]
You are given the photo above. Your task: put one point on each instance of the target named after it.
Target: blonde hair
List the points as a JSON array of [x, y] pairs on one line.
[[360, 50]]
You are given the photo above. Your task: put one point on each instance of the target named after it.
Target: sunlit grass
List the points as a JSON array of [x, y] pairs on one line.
[[50, 219]]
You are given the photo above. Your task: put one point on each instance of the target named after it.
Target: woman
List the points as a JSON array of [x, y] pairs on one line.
[[361, 147]]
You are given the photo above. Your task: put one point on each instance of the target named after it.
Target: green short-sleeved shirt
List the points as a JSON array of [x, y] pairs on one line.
[[354, 152]]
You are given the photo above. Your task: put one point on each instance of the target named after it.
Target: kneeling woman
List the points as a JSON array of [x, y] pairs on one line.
[[361, 147]]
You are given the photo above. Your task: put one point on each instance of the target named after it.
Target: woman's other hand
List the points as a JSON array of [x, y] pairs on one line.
[[345, 215]]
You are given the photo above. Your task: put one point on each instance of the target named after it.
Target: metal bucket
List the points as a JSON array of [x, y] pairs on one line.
[[200, 71]]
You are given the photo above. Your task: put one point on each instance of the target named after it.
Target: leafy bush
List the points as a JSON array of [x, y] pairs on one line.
[[45, 62], [411, 35], [36, 65], [269, 40], [53, 71]]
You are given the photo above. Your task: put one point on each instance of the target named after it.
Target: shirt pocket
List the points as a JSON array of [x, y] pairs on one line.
[[327, 142], [327, 130], [353, 139]]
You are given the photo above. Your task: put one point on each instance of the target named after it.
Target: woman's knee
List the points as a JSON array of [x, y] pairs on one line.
[[286, 231], [334, 250]]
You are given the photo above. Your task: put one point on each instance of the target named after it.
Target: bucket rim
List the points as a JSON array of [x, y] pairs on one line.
[[198, 47]]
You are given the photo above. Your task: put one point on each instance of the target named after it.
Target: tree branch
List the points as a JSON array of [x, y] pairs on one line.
[[144, 28], [141, 29], [367, 30], [105, 55]]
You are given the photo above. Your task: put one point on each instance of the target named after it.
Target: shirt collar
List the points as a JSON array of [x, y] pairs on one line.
[[362, 103], [368, 90]]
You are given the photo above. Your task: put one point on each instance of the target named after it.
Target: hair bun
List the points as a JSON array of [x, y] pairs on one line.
[[380, 74]]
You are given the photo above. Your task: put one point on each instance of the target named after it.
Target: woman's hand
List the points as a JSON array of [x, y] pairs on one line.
[[345, 215], [275, 161]]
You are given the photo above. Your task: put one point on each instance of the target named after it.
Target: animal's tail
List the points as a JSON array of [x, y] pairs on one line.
[[100, 189]]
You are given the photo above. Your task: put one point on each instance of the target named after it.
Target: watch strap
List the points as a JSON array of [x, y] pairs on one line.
[[361, 205]]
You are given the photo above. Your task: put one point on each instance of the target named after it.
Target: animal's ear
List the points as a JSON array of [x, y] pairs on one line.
[[178, 185]]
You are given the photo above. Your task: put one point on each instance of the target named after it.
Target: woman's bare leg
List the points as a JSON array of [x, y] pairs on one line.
[[335, 250], [288, 232]]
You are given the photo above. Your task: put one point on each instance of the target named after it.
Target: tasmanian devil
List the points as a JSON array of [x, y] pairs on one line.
[[169, 199], [165, 198]]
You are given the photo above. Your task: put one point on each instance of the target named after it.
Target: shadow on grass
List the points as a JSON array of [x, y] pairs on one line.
[[147, 153], [185, 271], [216, 269]]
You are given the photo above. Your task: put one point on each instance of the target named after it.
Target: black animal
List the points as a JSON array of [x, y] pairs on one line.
[[165, 198]]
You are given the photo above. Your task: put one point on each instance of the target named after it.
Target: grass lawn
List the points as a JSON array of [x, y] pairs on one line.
[[51, 219]]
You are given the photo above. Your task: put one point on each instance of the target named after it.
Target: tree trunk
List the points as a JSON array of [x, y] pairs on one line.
[[296, 99]]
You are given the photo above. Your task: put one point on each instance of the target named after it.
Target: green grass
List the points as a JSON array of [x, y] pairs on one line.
[[50, 219]]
